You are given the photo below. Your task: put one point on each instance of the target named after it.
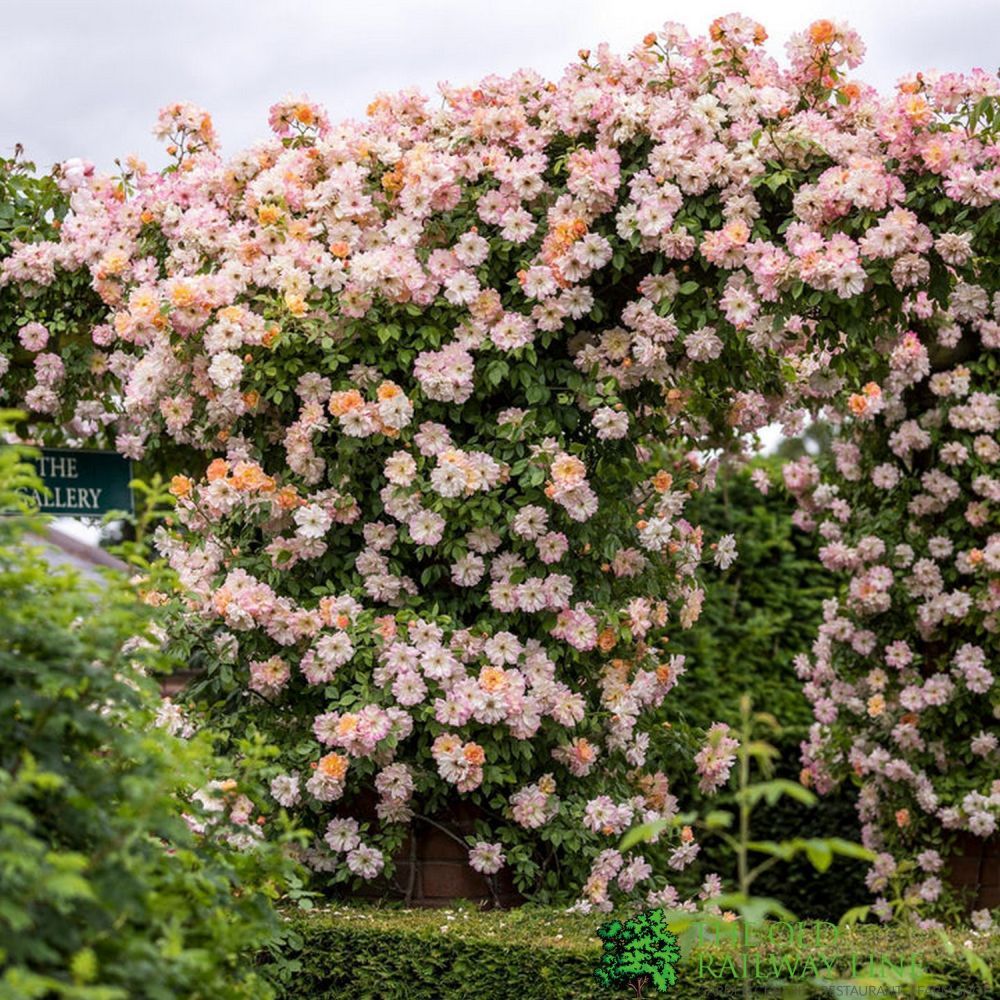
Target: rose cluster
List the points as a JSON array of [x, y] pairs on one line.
[[452, 373], [902, 673]]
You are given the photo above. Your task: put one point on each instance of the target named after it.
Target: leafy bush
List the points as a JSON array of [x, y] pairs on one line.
[[32, 209], [638, 951], [32, 206], [106, 890], [538, 954]]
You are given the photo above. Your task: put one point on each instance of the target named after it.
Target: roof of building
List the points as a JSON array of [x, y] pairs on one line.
[[63, 550]]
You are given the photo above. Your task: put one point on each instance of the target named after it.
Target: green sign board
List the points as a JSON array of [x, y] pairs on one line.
[[83, 483]]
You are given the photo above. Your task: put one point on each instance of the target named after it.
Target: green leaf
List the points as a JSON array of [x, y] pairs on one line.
[[855, 915], [67, 885], [83, 966], [820, 854], [772, 791], [977, 966], [849, 849], [643, 833], [718, 819], [777, 849]]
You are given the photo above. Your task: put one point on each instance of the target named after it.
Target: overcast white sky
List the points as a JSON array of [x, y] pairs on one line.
[[86, 77]]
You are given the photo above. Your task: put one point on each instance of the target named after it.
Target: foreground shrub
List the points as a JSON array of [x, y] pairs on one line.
[[538, 954], [106, 890]]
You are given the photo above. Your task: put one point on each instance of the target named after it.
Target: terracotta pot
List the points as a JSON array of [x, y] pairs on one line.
[[974, 866]]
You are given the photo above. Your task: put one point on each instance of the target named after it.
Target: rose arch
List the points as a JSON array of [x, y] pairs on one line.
[[437, 385]]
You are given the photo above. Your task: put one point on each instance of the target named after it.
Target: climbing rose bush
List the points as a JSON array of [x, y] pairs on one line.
[[902, 677], [452, 373]]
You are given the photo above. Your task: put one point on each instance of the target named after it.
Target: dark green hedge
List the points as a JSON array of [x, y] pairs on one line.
[[534, 954], [757, 616]]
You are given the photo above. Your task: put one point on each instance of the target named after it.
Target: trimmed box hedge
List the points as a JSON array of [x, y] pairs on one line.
[[539, 954]]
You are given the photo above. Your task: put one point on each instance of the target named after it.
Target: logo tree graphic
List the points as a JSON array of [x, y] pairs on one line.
[[638, 952]]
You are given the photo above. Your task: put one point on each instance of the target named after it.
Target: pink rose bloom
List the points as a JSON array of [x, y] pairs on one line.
[[487, 859], [33, 336]]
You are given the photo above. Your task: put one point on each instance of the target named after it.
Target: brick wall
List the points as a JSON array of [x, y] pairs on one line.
[[432, 866], [975, 865]]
